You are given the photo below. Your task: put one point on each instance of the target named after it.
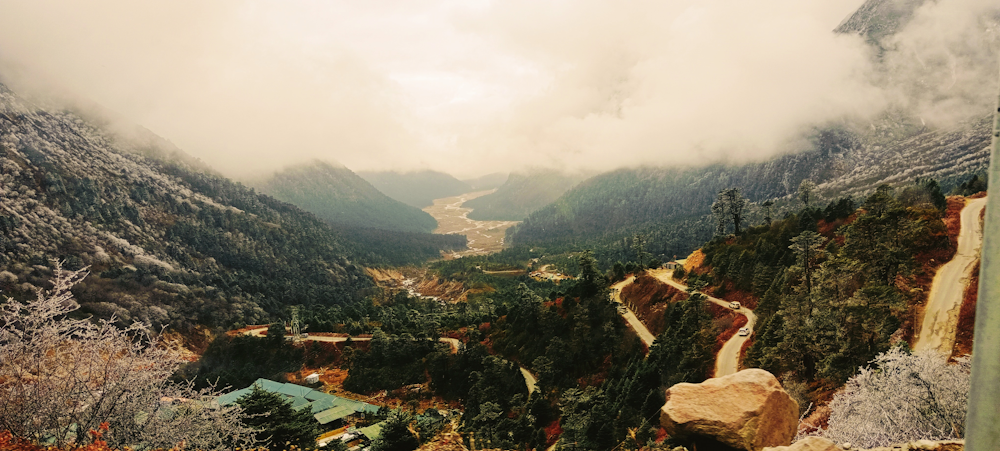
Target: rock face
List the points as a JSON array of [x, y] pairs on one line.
[[822, 444], [809, 444], [744, 411]]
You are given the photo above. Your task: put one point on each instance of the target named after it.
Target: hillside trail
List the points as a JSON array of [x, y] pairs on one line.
[[728, 360], [633, 321], [529, 379], [937, 331]]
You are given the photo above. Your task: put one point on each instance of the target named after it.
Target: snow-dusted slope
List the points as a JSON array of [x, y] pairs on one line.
[[166, 242]]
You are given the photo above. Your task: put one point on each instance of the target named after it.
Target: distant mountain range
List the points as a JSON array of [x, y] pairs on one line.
[[522, 194], [418, 189], [671, 207], [339, 196], [488, 181]]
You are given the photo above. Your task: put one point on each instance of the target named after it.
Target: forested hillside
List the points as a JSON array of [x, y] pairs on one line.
[[166, 243], [836, 286], [339, 196], [670, 209], [522, 194], [419, 188]]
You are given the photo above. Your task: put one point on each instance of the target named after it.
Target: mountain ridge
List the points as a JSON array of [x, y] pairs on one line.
[[338, 195], [165, 242], [416, 188], [521, 194]]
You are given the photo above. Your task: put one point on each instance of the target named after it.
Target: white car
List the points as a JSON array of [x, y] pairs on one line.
[[735, 305], [744, 331]]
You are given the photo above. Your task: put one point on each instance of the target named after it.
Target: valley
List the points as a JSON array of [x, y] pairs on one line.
[[493, 228]]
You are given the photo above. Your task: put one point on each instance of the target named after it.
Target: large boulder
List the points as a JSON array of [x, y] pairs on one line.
[[744, 411], [822, 444], [809, 444]]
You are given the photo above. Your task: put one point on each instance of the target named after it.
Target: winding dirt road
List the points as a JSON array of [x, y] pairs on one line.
[[633, 321], [529, 380], [938, 329], [728, 360]]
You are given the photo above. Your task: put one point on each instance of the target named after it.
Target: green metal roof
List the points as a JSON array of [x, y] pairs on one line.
[[372, 432], [303, 397], [231, 397], [334, 414], [299, 402], [292, 390]]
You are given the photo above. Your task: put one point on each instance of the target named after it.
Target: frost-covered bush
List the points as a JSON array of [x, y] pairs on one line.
[[61, 377], [901, 397]]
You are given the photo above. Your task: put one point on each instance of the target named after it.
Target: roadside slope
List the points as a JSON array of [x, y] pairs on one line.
[[633, 321]]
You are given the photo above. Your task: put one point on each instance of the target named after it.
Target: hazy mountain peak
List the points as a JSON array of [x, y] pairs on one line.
[[417, 188], [338, 195]]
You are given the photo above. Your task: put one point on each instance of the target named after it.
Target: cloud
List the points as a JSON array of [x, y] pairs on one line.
[[681, 82], [943, 65], [223, 80], [472, 87]]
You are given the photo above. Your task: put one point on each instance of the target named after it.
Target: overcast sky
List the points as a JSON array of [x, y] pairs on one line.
[[467, 86]]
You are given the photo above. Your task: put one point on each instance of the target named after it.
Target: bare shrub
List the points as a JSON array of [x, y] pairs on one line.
[[62, 377], [900, 398]]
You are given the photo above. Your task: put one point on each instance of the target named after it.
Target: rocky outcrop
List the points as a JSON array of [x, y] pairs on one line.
[[744, 411], [809, 444], [822, 444]]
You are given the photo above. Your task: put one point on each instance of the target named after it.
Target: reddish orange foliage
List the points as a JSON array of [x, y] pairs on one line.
[[661, 435], [694, 262], [552, 433], [967, 316], [10, 443], [738, 322]]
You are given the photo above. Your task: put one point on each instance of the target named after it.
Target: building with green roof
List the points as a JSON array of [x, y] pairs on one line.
[[330, 411]]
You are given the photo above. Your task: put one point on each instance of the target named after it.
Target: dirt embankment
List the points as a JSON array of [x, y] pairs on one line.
[[448, 290], [420, 281], [190, 345], [382, 276], [694, 261], [649, 298], [967, 317]]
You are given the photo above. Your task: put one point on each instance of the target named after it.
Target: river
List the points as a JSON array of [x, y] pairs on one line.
[[485, 237]]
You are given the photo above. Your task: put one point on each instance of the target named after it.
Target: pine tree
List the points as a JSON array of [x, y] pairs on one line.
[[277, 423], [396, 435]]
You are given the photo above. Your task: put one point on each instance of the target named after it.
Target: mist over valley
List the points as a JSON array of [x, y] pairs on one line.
[[454, 225]]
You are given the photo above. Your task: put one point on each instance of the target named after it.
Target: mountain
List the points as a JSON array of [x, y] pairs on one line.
[[488, 181], [418, 189], [877, 19], [166, 242], [522, 194], [671, 207], [339, 196]]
